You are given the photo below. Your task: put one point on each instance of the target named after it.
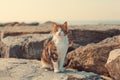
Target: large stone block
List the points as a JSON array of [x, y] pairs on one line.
[[92, 57], [84, 37], [113, 64], [27, 46], [21, 69]]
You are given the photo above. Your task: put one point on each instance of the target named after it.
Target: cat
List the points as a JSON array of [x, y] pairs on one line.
[[55, 50]]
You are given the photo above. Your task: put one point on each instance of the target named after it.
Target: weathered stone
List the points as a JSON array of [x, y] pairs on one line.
[[19, 24], [27, 46], [20, 69], [3, 50], [113, 64], [24, 42], [92, 57], [84, 37], [76, 34]]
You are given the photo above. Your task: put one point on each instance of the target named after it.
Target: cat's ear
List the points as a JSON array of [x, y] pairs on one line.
[[65, 26], [65, 23], [54, 27]]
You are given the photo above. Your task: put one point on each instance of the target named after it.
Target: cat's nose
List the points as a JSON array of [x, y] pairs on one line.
[[59, 34]]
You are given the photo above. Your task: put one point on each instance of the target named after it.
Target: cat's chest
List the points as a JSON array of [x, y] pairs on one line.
[[61, 46]]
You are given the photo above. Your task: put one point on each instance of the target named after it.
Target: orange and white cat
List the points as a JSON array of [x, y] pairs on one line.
[[54, 51]]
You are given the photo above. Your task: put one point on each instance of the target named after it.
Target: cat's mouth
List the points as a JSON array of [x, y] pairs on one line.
[[59, 34]]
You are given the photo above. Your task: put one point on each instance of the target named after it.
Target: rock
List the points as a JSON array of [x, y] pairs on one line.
[[113, 55], [26, 46], [19, 24], [106, 77], [1, 25], [92, 57], [21, 69], [32, 24], [72, 46], [76, 34], [11, 23], [84, 37], [3, 50], [113, 64], [49, 23]]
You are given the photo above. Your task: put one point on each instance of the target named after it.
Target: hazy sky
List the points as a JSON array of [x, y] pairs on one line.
[[59, 10]]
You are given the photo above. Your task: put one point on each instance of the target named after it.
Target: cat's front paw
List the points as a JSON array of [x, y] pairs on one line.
[[56, 71], [62, 70]]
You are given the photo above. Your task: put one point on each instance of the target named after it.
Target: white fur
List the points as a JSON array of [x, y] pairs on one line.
[[56, 67], [61, 42]]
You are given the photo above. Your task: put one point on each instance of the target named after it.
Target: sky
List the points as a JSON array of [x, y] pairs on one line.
[[59, 10]]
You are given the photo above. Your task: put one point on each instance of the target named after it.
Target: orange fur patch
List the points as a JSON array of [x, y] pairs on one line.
[[63, 27], [49, 53]]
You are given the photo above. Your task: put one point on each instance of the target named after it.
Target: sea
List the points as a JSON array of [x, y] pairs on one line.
[[91, 22]]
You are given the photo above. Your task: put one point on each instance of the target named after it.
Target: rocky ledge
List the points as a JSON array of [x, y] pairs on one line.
[[90, 51], [21, 69]]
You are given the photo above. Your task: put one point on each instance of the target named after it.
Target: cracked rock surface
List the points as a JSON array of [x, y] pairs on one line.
[[21, 69]]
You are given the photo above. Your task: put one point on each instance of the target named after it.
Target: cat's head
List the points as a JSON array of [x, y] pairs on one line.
[[60, 30]]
